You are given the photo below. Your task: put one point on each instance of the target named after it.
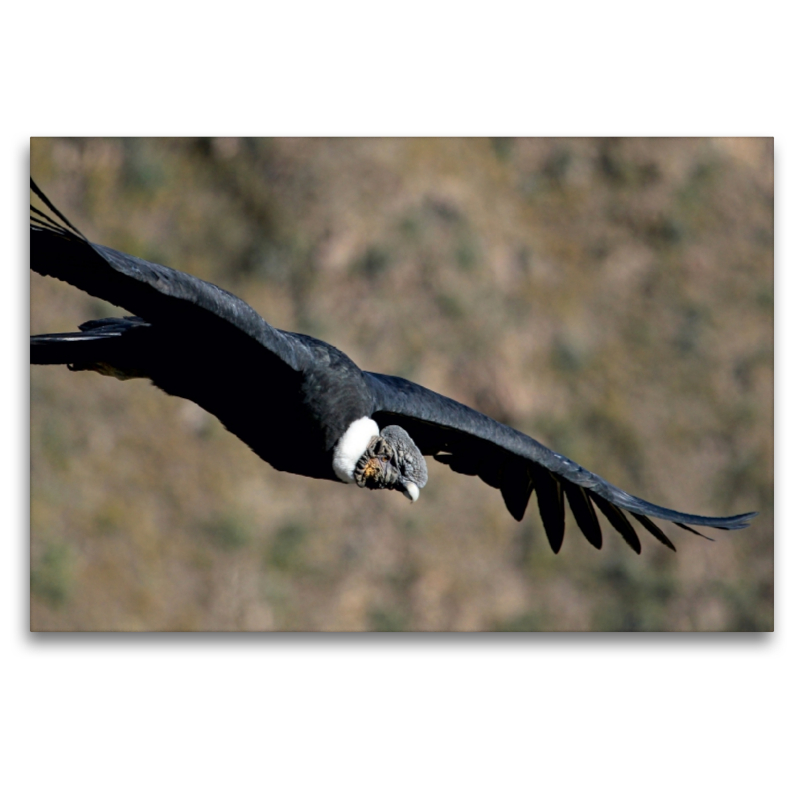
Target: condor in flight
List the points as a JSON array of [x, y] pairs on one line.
[[304, 406]]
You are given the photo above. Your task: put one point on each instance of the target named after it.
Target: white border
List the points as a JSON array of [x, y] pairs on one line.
[[238, 716]]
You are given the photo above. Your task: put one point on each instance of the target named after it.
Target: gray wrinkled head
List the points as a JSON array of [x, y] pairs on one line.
[[392, 461]]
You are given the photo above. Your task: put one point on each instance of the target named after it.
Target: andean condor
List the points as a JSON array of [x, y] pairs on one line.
[[304, 406]]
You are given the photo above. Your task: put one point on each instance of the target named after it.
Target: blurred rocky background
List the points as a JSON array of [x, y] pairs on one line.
[[611, 298]]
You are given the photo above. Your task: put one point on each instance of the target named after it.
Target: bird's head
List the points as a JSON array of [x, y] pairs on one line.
[[392, 461]]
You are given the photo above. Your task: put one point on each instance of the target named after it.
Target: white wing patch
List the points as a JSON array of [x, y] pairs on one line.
[[351, 447]]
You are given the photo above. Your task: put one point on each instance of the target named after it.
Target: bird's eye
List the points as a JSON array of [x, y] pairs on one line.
[[384, 459]]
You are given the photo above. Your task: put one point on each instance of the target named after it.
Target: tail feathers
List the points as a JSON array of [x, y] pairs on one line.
[[98, 342], [69, 348]]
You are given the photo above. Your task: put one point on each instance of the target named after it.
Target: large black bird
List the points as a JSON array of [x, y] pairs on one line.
[[301, 404]]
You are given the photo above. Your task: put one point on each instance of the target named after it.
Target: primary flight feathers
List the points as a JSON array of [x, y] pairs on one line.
[[304, 406]]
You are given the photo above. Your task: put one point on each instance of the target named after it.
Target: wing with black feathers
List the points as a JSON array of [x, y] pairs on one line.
[[153, 292], [473, 444]]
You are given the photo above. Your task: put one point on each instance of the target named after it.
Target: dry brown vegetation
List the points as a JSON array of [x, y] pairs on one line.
[[612, 298]]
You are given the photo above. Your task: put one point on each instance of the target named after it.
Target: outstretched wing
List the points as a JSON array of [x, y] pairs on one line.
[[153, 292], [473, 444]]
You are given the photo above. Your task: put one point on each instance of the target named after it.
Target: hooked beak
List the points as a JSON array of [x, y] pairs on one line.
[[411, 491]]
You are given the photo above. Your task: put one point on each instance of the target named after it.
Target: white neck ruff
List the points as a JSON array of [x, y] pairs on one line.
[[351, 447]]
